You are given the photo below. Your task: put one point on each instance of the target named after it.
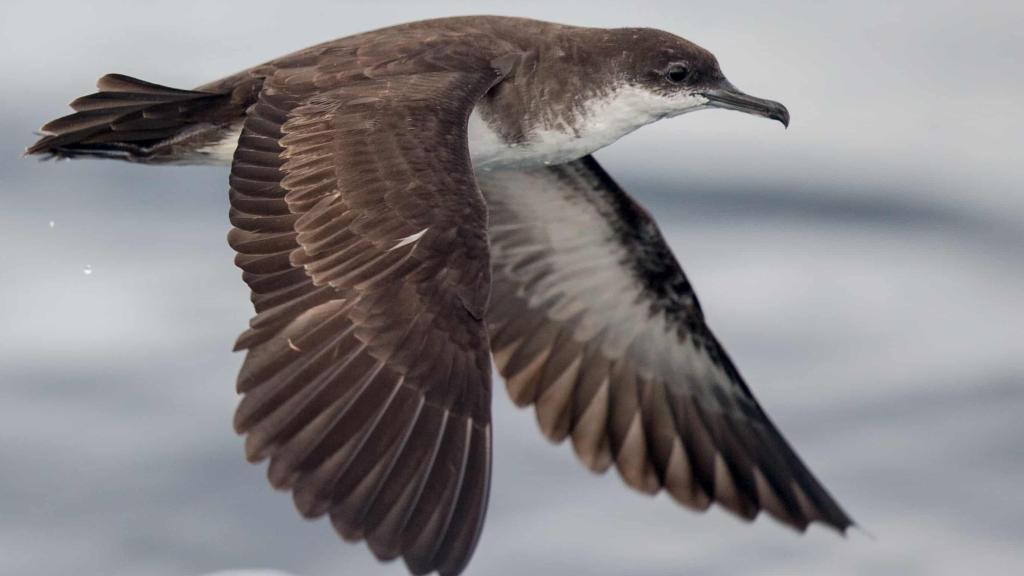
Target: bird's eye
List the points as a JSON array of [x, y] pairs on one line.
[[677, 74]]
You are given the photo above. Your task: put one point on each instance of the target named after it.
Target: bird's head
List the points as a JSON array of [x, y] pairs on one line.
[[682, 77]]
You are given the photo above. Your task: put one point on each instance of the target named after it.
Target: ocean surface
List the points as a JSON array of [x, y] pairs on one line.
[[865, 269]]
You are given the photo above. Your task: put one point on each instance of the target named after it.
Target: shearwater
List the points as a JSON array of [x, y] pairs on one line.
[[412, 202]]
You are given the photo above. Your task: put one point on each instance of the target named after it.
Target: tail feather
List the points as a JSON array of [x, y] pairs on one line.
[[135, 120], [81, 121], [104, 100], [127, 84]]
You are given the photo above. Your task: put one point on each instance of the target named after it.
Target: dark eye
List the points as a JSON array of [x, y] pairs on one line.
[[677, 74]]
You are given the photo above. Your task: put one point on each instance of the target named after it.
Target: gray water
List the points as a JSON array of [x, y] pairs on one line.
[[864, 269]]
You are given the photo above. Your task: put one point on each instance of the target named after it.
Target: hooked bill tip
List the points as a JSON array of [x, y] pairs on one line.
[[781, 114], [729, 97]]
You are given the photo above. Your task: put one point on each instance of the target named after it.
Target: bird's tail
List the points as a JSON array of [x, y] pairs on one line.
[[130, 119]]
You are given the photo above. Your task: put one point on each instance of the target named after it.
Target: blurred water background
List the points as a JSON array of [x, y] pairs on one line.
[[865, 269]]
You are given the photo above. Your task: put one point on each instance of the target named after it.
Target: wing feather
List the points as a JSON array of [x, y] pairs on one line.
[[362, 235], [593, 322]]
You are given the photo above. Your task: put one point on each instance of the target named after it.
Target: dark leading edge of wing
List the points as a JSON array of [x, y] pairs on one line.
[[593, 321], [362, 235]]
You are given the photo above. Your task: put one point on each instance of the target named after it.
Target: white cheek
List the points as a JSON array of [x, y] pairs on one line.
[[684, 103]]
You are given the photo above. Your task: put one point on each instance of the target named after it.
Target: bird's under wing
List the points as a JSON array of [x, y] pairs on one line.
[[362, 234], [593, 321]]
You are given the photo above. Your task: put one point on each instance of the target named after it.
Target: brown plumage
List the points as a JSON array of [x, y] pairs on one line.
[[369, 245], [368, 378]]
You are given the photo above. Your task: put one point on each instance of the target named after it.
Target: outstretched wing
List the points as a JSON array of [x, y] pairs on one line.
[[362, 234], [593, 321]]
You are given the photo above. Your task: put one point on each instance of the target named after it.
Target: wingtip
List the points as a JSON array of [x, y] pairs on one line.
[[858, 528], [841, 527]]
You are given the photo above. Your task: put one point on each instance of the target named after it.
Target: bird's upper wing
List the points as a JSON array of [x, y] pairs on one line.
[[362, 234], [593, 321]]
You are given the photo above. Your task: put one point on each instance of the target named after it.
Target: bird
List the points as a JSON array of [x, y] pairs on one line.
[[414, 205]]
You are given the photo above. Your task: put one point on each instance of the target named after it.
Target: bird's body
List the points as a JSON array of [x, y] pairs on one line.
[[603, 120], [409, 203]]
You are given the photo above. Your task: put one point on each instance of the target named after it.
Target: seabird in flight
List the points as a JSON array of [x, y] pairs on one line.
[[412, 202]]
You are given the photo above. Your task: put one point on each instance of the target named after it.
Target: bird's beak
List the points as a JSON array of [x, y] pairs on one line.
[[727, 96]]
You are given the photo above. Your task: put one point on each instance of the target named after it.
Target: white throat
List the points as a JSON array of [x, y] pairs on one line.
[[601, 122]]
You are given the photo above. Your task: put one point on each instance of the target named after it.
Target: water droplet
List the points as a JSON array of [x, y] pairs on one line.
[[87, 270], [52, 224]]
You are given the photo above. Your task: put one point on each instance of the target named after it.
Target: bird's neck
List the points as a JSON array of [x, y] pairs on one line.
[[567, 97], [504, 133]]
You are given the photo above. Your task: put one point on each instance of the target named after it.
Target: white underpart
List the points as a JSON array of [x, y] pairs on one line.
[[408, 239], [222, 152], [603, 121], [535, 224]]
